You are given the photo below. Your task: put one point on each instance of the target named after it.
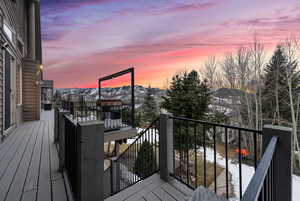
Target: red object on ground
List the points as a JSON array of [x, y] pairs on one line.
[[243, 152]]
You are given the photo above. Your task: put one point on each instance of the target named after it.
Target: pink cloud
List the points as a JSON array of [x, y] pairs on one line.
[[156, 45]]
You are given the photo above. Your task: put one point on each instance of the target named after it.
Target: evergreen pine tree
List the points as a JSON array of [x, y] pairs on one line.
[[145, 163], [188, 97], [275, 84], [149, 108]]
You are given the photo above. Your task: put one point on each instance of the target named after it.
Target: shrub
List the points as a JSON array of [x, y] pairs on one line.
[[145, 163]]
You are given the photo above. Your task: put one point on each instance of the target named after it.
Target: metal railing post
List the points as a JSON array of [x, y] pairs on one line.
[[56, 125], [117, 148], [61, 137], [283, 159], [115, 176], [165, 146], [91, 160]]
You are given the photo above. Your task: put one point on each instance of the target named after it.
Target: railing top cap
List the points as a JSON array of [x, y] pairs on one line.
[[275, 127], [90, 123]]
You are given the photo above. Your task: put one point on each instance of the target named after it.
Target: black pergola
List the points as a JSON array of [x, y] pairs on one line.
[[118, 74]]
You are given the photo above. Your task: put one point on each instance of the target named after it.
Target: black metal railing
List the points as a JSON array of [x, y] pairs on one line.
[[64, 104], [106, 182], [114, 116], [262, 184], [139, 161], [71, 153], [127, 115], [82, 111], [197, 144]]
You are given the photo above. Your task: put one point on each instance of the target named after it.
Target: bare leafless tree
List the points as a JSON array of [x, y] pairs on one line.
[[229, 71], [290, 50], [209, 71], [257, 62]]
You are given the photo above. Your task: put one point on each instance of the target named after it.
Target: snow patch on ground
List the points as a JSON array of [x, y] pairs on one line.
[[247, 173], [233, 168], [296, 188]]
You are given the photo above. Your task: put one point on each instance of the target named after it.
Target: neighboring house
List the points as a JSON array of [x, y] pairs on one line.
[[20, 62]]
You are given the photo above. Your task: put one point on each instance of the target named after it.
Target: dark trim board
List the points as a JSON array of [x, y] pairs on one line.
[[7, 94]]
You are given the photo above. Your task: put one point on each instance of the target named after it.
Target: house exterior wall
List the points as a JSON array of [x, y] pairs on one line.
[[25, 86]]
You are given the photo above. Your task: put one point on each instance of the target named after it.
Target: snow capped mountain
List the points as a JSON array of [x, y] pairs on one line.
[[221, 98], [123, 93]]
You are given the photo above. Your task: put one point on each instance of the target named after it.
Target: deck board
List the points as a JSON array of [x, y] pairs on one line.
[[163, 195], [29, 164], [44, 184], [10, 150], [15, 192], [6, 144], [8, 176], [32, 177], [151, 197]]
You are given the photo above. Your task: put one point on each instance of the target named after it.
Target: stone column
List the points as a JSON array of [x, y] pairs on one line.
[[283, 159], [91, 160], [31, 29]]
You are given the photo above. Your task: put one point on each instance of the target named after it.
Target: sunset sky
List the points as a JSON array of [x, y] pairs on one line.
[[86, 39]]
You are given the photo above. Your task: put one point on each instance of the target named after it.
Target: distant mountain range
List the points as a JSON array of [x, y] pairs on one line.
[[221, 97], [123, 93]]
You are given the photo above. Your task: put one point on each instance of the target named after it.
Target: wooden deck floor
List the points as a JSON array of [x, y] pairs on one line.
[[29, 164], [154, 189]]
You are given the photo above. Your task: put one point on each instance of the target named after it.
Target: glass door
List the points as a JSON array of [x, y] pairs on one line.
[[7, 93]]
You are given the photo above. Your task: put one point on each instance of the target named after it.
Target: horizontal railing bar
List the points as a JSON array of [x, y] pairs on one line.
[[107, 169], [116, 74], [70, 119], [254, 188], [218, 124]]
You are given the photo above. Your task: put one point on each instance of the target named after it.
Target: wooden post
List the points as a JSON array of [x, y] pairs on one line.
[[91, 160], [283, 159], [166, 146]]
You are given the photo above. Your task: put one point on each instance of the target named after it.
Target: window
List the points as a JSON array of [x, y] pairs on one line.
[[19, 85], [8, 31]]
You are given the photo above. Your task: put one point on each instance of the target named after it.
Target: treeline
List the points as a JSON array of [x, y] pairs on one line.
[[269, 86], [268, 90]]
